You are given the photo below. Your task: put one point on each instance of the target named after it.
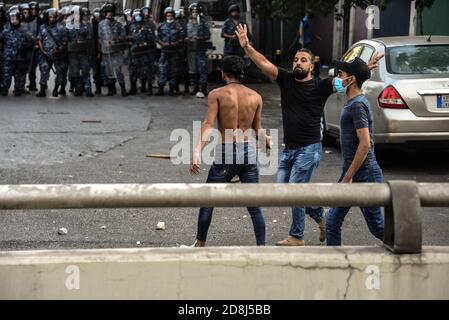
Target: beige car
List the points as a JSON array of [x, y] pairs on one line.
[[409, 92]]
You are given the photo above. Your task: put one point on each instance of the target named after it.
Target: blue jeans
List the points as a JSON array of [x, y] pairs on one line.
[[248, 172], [373, 215], [297, 166]]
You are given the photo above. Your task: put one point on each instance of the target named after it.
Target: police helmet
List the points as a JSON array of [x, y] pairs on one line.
[[233, 8], [85, 11], [146, 11], [169, 10], [34, 6], [23, 7], [109, 7], [50, 12], [193, 6]]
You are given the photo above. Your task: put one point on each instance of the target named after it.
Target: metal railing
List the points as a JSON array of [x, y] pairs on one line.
[[402, 200]]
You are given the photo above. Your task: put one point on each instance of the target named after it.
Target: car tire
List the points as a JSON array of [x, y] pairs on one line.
[[328, 140]]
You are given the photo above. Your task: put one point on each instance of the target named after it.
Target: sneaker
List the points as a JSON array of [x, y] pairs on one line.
[[322, 226], [291, 242], [200, 95], [194, 245]]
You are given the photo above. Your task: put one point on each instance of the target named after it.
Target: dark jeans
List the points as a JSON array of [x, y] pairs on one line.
[[248, 172], [373, 215]]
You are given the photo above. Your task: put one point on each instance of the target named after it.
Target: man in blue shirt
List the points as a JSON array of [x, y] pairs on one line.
[[357, 147], [305, 31]]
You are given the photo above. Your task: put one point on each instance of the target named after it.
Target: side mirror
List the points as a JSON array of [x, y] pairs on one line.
[[331, 73]]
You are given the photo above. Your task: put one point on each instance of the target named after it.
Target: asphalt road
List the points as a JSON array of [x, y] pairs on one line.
[[105, 140]]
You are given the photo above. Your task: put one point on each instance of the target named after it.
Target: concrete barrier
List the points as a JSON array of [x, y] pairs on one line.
[[225, 273]]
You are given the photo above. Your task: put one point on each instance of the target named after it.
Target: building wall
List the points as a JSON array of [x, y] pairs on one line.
[[436, 19], [395, 20], [360, 31]]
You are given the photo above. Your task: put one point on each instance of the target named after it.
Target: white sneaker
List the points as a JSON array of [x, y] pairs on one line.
[[183, 246], [200, 95]]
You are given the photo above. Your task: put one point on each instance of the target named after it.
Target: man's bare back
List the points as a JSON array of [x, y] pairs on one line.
[[238, 107]]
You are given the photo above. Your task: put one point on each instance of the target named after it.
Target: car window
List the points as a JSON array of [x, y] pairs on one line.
[[423, 59], [353, 53], [366, 54]]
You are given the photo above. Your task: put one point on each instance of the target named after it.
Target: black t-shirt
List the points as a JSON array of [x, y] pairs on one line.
[[302, 108]]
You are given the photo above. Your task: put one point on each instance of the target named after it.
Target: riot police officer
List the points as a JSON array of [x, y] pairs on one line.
[[170, 37], [16, 41], [79, 48], [232, 45], [142, 52], [198, 34], [32, 22], [148, 17], [96, 59], [112, 42], [52, 41]]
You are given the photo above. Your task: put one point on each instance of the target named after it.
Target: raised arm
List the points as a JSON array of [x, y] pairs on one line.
[[269, 69]]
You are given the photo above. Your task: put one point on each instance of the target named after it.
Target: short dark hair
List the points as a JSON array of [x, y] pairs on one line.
[[233, 66], [312, 56]]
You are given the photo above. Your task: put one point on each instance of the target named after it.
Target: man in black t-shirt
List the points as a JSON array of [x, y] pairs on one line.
[[302, 102]]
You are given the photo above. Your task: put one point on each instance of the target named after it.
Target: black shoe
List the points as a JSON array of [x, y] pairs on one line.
[[89, 93], [150, 91], [133, 90], [186, 88], [160, 91], [62, 91], [114, 89], [195, 90], [176, 88], [123, 88], [171, 91], [111, 90], [55, 91], [32, 87], [204, 90], [143, 87], [97, 89], [78, 92], [42, 93]]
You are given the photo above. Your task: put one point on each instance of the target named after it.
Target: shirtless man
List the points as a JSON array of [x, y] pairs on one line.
[[237, 108]]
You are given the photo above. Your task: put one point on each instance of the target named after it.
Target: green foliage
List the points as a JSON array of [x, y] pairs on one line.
[[290, 10]]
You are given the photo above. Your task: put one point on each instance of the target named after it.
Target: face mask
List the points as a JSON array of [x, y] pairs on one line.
[[339, 87], [170, 20], [138, 18]]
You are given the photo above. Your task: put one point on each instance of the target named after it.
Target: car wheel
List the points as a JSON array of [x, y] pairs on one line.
[[328, 140]]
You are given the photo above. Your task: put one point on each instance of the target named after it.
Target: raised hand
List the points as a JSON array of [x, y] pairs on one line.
[[242, 34], [374, 62]]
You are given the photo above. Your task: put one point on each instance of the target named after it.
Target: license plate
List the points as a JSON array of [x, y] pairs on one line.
[[442, 101]]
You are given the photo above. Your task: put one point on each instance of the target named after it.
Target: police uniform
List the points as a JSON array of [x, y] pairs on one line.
[[16, 40], [54, 41], [142, 53], [169, 62], [232, 46], [79, 51], [196, 52], [111, 33]]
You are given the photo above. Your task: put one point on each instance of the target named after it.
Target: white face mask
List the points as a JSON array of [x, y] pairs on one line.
[[170, 20]]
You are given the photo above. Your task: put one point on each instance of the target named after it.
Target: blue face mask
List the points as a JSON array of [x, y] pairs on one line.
[[138, 18], [339, 87]]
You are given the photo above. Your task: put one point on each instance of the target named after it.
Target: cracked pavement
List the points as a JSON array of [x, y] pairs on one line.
[[105, 140]]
